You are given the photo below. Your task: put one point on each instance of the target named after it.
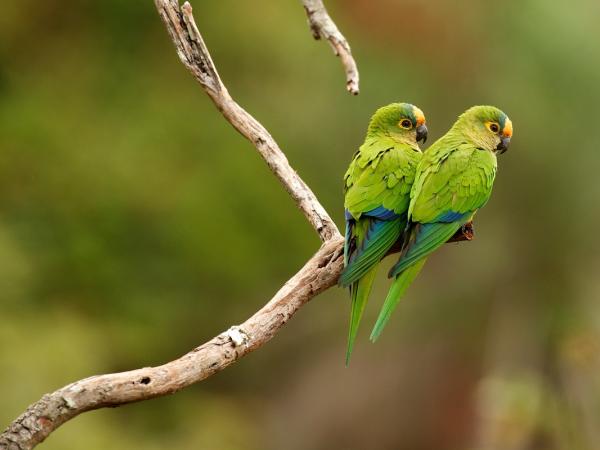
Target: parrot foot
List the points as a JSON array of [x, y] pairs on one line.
[[237, 336], [465, 233]]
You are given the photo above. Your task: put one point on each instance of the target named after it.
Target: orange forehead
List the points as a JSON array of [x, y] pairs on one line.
[[419, 116], [508, 128]]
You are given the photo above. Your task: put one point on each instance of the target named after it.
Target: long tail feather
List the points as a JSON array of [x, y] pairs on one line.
[[376, 239], [360, 294], [397, 290]]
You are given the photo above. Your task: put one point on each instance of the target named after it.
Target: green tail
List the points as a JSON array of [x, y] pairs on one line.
[[397, 290], [360, 294]]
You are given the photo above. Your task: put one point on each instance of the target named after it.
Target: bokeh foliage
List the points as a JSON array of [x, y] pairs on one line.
[[135, 224]]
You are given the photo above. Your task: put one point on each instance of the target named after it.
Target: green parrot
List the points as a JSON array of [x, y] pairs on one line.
[[377, 195], [453, 180]]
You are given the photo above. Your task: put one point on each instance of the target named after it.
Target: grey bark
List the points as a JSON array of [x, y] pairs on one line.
[[317, 275]]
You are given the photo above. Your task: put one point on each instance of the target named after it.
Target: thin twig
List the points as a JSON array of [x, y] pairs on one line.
[[318, 274], [195, 56], [322, 26]]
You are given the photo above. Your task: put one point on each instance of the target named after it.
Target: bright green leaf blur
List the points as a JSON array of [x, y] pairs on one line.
[[135, 223]]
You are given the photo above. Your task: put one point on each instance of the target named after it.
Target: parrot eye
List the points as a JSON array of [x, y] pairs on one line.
[[406, 124], [493, 127]]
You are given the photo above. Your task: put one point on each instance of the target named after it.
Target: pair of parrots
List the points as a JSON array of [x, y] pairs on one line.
[[399, 198]]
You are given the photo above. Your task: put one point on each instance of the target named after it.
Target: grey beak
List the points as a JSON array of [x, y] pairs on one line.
[[422, 133], [503, 145]]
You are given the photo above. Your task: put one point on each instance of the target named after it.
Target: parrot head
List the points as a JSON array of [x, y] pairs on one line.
[[487, 127], [401, 121]]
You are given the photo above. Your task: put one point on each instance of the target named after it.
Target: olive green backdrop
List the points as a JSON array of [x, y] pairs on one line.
[[135, 224]]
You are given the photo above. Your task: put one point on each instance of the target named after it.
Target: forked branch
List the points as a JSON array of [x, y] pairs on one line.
[[195, 56], [317, 275]]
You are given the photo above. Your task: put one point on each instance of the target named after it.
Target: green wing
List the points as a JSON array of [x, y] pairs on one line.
[[451, 185], [455, 181], [449, 189], [380, 175], [377, 185]]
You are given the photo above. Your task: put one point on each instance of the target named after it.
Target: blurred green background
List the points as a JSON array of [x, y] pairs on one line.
[[135, 224]]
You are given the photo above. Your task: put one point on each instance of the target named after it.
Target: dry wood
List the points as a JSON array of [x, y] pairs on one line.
[[52, 410], [317, 275], [322, 26], [195, 56]]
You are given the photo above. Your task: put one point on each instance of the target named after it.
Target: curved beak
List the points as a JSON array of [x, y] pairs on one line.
[[422, 133], [503, 145]]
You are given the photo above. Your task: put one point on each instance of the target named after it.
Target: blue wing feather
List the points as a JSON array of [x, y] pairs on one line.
[[384, 229], [381, 213], [427, 237], [452, 216]]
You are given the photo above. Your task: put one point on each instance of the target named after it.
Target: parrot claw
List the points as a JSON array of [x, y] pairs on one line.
[[237, 336], [465, 233]]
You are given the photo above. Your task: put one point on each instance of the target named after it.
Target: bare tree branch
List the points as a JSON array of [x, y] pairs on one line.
[[322, 26], [317, 275], [195, 56], [52, 410]]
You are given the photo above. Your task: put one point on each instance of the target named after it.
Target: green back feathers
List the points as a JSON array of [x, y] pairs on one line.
[[377, 189], [458, 170], [457, 180], [381, 174], [453, 180]]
